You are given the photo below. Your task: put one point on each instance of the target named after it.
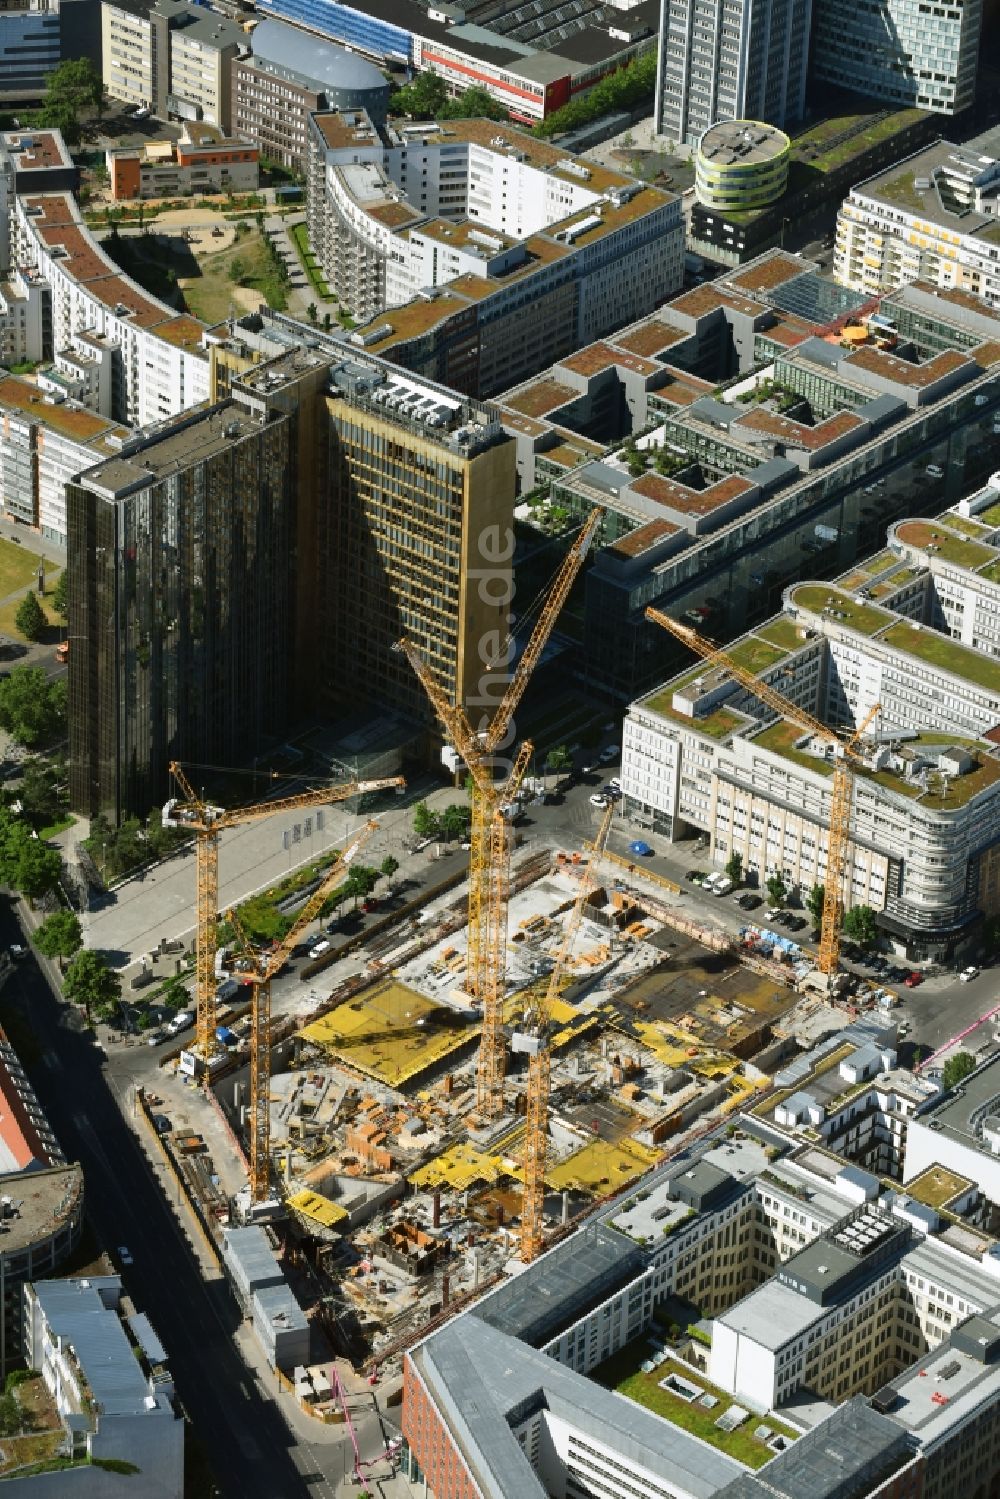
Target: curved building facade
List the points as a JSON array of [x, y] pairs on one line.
[[741, 165]]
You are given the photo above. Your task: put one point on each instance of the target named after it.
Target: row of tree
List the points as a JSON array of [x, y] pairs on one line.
[[118, 850], [427, 98], [859, 922], [452, 822]]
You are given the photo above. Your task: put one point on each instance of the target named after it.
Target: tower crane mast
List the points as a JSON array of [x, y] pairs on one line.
[[841, 791], [489, 855], [207, 822]]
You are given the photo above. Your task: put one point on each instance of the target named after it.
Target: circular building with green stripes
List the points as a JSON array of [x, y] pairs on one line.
[[741, 165]]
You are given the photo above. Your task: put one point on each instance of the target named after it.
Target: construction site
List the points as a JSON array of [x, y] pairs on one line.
[[485, 1072]]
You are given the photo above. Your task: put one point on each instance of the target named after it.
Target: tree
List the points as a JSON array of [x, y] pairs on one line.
[[90, 982], [559, 760], [37, 868], [388, 867], [859, 924], [814, 903], [454, 821], [42, 791], [312, 313], [60, 594], [422, 99], [958, 1067], [777, 890], [72, 88], [32, 708], [474, 104], [734, 867], [30, 617], [59, 936], [425, 823]]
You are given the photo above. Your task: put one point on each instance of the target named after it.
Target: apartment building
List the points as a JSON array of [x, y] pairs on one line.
[[290, 75], [833, 419], [720, 60], [489, 250], [203, 160], [44, 441], [107, 1375], [170, 56], [903, 52], [933, 217], [957, 1132], [160, 364]]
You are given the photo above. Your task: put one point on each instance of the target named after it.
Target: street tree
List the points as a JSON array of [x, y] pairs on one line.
[[90, 983], [59, 936], [32, 708], [42, 791], [30, 617], [36, 869], [777, 890], [388, 867], [60, 595], [957, 1068], [454, 822], [425, 822], [312, 313], [859, 924], [734, 867], [559, 760], [814, 903]]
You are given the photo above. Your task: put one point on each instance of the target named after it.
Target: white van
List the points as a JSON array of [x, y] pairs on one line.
[[180, 1022]]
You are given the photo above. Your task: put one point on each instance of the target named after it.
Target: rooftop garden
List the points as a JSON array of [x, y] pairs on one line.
[[990, 516], [756, 655], [717, 725], [687, 1399], [781, 738], [865, 131], [815, 597], [965, 526], [943, 793], [936, 1186], [901, 190], [948, 655], [944, 543], [783, 632]]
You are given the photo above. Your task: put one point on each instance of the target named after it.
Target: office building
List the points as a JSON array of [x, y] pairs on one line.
[[203, 160], [181, 552], [779, 416], [262, 557], [724, 61], [36, 36], [957, 1132], [701, 754], [741, 165], [934, 217], [106, 1374], [170, 56], [837, 1309], [491, 251], [531, 63], [900, 52], [290, 75]]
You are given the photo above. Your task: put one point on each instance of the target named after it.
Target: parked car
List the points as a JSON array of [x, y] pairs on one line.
[[968, 974], [695, 876], [371, 904], [180, 1022], [749, 902], [609, 755], [597, 799], [934, 471], [320, 948], [913, 979]]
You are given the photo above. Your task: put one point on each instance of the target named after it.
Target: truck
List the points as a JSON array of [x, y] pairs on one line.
[[226, 991]]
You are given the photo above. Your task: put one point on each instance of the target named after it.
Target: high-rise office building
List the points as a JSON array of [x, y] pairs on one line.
[[917, 52], [730, 59], [181, 604], [260, 558]]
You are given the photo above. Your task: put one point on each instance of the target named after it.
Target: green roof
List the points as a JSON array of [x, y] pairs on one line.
[[717, 725], [757, 655], [940, 651], [936, 534], [783, 632], [780, 739], [861, 617]]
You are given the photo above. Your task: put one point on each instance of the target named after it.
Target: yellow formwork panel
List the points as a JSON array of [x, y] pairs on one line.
[[602, 1167], [459, 1168], [315, 1206], [390, 1032]]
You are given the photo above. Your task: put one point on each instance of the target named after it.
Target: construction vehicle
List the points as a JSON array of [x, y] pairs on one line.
[[842, 789], [533, 1037], [489, 854], [265, 966], [207, 822]]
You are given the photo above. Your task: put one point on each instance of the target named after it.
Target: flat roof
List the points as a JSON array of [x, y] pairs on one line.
[[742, 143], [83, 426], [899, 187], [188, 439], [853, 1451], [958, 1113]]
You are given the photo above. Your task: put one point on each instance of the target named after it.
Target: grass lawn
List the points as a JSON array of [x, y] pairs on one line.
[[783, 632], [18, 567], [8, 611], [780, 739], [756, 655], [57, 827], [209, 296], [991, 516], [299, 234], [620, 1373]]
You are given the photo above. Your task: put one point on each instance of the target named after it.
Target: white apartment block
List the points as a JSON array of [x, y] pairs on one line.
[[107, 1374], [725, 60], [398, 214], [934, 218], [160, 367], [903, 52], [703, 756]]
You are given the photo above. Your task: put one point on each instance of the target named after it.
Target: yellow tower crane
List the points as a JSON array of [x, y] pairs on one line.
[[192, 813], [841, 795], [535, 1039], [266, 965], [489, 857]]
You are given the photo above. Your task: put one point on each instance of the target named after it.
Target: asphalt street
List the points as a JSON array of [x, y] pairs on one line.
[[252, 1451]]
